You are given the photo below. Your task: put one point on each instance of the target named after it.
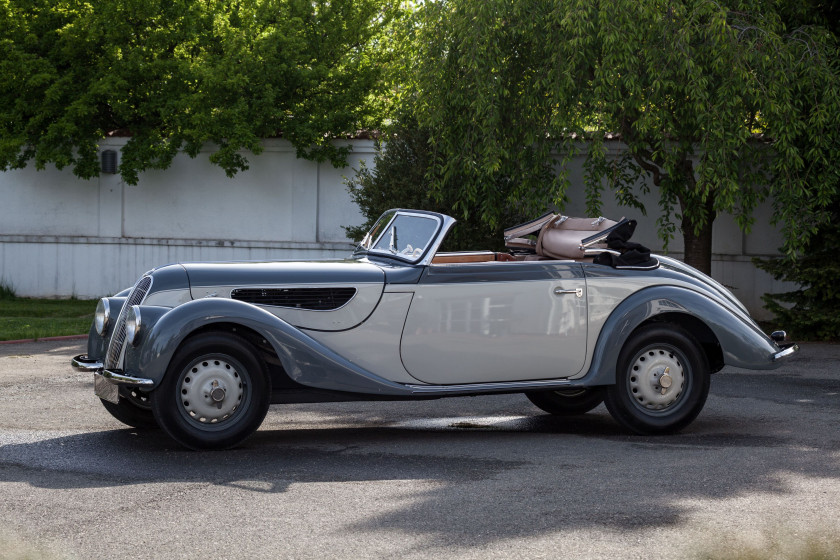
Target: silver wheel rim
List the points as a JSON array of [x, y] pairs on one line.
[[212, 390], [137, 397], [658, 379]]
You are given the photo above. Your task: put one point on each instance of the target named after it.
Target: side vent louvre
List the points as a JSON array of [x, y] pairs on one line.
[[313, 299]]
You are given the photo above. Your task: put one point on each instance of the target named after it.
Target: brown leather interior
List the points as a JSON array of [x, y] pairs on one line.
[[489, 256], [558, 238], [471, 257]]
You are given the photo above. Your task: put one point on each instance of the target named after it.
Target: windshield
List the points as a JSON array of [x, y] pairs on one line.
[[404, 235]]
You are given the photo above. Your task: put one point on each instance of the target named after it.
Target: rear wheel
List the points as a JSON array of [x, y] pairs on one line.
[[215, 393], [662, 381], [567, 402]]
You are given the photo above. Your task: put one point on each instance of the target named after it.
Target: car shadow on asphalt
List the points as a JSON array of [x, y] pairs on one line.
[[575, 472]]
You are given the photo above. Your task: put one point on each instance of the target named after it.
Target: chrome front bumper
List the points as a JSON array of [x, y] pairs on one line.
[[84, 363]]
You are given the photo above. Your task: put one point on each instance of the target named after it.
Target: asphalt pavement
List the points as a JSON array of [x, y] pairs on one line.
[[481, 477]]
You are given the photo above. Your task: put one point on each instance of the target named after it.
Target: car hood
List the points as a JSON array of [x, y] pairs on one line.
[[320, 295]]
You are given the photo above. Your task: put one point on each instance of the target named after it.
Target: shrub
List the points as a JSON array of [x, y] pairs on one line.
[[401, 178], [813, 310]]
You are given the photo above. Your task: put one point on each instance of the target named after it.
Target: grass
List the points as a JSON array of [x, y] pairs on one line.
[[28, 318]]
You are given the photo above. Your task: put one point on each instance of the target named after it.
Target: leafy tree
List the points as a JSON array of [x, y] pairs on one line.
[[720, 103], [400, 178], [177, 74]]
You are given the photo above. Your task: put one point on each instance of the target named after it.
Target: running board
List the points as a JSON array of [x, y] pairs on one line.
[[499, 387]]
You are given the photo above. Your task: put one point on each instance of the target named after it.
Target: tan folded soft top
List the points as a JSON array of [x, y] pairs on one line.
[[558, 236]]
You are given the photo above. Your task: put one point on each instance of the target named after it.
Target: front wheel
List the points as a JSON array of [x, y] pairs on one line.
[[133, 409], [662, 381], [215, 393]]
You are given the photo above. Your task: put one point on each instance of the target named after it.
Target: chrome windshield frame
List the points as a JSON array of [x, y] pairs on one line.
[[443, 224]]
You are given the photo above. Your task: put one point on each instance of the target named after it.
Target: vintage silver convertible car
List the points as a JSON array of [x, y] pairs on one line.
[[203, 349]]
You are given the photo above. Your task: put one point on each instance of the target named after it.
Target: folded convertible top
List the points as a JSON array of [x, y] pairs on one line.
[[563, 237]]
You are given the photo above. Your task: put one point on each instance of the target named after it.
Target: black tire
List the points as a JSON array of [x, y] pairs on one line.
[[215, 393], [639, 400], [134, 409], [568, 402]]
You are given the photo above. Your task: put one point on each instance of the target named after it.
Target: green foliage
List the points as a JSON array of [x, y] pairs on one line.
[[813, 310], [401, 179], [722, 104], [178, 74]]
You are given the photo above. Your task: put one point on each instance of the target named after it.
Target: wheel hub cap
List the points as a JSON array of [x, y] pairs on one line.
[[656, 378], [666, 380], [217, 394], [211, 391]]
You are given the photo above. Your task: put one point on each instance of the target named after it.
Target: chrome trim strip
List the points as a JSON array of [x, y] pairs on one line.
[[636, 267], [502, 386], [83, 363], [594, 252], [120, 377], [787, 351]]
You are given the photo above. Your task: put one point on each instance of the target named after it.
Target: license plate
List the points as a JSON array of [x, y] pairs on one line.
[[105, 390]]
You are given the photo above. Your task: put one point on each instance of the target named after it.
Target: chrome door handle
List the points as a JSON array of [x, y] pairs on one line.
[[560, 291]]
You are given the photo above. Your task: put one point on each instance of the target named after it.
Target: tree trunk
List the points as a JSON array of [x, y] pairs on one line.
[[698, 247]]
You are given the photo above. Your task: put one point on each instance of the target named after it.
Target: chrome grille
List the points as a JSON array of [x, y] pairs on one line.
[[312, 299], [136, 297]]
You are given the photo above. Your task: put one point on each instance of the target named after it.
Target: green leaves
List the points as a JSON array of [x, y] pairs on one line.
[[182, 74], [721, 105], [401, 179]]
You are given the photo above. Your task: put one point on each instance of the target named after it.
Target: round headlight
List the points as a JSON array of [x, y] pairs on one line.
[[102, 317], [133, 325]]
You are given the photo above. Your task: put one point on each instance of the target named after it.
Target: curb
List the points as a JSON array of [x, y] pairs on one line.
[[46, 339]]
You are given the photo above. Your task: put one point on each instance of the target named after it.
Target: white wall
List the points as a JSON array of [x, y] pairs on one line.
[[62, 236]]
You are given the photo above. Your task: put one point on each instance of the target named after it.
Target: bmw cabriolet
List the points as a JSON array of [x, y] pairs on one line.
[[202, 349]]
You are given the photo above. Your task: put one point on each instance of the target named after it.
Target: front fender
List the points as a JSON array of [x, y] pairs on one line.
[[742, 342], [304, 359]]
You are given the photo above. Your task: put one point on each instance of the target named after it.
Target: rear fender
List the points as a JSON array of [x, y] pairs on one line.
[[742, 343]]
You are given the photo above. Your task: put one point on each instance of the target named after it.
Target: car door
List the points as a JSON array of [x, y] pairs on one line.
[[497, 321]]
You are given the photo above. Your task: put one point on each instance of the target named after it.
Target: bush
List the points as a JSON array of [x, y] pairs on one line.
[[813, 310], [402, 179]]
